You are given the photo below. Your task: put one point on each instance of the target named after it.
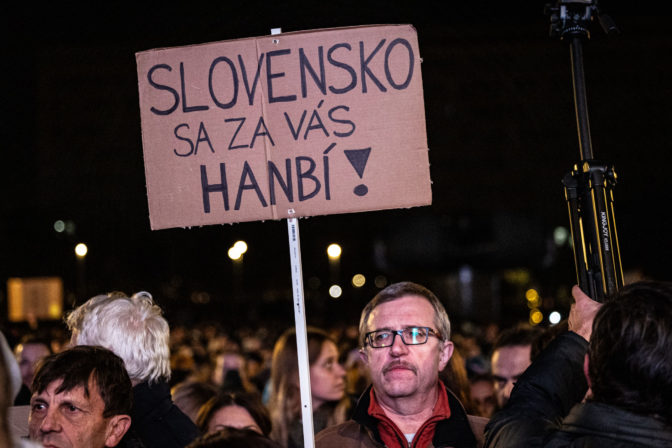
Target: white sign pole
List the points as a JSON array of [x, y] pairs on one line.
[[300, 324], [301, 339]]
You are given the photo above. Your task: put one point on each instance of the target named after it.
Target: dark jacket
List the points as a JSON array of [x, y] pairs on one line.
[[321, 418], [157, 421], [543, 409], [362, 430]]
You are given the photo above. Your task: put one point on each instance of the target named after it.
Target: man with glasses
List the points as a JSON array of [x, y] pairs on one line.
[[404, 334]]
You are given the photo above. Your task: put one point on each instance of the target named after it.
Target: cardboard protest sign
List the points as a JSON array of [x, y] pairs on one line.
[[290, 125]]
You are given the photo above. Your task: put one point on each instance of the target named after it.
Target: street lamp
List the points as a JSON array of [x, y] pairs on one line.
[[237, 250], [334, 251], [236, 254], [81, 250]]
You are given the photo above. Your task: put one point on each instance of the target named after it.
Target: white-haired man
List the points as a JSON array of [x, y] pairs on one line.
[[404, 334], [134, 329]]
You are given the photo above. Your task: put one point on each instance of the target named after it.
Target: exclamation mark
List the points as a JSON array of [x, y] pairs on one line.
[[358, 159]]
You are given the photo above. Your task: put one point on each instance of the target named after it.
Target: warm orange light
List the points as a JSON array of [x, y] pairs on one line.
[[334, 251]]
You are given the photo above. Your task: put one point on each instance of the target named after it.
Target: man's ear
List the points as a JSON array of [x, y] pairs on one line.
[[445, 354], [364, 356], [116, 428], [586, 364]]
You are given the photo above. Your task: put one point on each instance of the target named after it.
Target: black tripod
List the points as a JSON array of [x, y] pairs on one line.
[[589, 186]]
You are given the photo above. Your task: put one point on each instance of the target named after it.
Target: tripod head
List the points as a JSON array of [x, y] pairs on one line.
[[572, 18]]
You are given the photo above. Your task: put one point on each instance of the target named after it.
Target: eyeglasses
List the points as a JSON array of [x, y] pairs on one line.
[[409, 336]]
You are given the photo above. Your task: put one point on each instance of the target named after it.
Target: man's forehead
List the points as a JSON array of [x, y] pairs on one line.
[[413, 309], [80, 392], [511, 359]]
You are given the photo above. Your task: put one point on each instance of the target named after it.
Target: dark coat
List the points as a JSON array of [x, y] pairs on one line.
[[362, 430], [543, 409], [157, 421], [601, 425]]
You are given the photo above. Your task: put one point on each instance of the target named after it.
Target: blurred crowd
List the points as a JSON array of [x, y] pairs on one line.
[[204, 384]]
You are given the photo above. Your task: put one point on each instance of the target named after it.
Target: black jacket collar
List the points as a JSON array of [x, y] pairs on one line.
[[452, 432]]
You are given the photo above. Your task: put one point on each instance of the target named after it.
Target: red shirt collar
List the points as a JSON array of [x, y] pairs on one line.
[[392, 436]]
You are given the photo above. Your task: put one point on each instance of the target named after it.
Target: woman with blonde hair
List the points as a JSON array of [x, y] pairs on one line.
[[327, 380]]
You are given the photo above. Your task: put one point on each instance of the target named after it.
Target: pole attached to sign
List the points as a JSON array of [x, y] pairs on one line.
[[301, 339], [300, 323]]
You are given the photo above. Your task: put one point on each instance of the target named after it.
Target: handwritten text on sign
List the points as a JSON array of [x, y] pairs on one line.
[[296, 124]]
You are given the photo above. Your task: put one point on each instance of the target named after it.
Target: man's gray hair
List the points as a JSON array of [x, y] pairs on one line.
[[397, 291], [132, 327]]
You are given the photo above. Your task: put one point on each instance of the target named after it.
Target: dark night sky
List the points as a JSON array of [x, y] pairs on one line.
[[501, 134]]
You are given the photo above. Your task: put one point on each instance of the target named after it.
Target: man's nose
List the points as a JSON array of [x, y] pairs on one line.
[[51, 422], [398, 347], [508, 388]]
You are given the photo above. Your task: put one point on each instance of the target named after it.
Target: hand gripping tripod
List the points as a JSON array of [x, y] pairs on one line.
[[589, 187]]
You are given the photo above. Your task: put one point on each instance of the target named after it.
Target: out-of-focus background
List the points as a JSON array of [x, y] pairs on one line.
[[501, 131]]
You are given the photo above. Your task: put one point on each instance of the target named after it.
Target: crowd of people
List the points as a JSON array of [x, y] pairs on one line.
[[401, 378]]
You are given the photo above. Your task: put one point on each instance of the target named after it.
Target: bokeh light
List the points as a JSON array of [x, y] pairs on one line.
[[240, 246], [380, 281], [237, 250], [358, 280], [334, 251], [533, 299], [560, 236], [234, 254], [81, 250], [536, 317], [335, 291], [59, 226]]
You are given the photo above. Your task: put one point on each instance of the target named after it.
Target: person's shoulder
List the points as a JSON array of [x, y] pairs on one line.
[[477, 425], [338, 435]]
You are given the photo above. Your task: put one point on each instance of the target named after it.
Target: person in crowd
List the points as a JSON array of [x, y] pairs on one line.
[[82, 398], [454, 377], [189, 396], [622, 350], [134, 328], [404, 333], [234, 438], [468, 343], [182, 364], [6, 393], [28, 352], [510, 357], [234, 410], [327, 380], [256, 370], [482, 392], [230, 372], [13, 419], [356, 376]]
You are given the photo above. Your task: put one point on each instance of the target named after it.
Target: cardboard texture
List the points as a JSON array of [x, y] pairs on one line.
[[289, 125]]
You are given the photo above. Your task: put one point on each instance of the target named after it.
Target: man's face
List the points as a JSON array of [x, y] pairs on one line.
[[401, 371], [27, 355], [508, 363], [70, 419], [483, 397]]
